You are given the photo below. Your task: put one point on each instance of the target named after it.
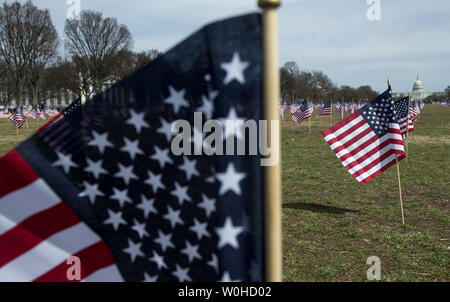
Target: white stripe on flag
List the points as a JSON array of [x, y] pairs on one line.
[[350, 136], [343, 129], [376, 168], [107, 274], [48, 254], [21, 204]]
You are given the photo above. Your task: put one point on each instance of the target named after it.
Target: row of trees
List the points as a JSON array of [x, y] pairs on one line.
[[99, 52], [316, 86]]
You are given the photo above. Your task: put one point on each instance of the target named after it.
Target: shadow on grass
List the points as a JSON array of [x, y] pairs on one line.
[[317, 208]]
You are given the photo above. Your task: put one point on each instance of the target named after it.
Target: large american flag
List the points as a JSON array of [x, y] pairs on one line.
[[401, 107], [123, 202], [303, 112], [368, 141]]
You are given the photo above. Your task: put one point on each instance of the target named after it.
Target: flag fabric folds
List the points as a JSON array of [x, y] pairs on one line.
[[368, 141], [303, 112], [16, 118], [117, 197]]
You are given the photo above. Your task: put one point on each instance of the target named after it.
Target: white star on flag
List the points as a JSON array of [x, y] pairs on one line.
[[138, 121], [147, 206], [100, 141], [181, 193], [91, 191], [235, 69], [121, 197], [181, 274], [191, 251], [162, 156], [233, 125], [134, 250], [166, 129], [154, 181], [126, 173], [228, 234], [164, 241], [132, 148], [159, 260], [115, 219], [173, 217], [64, 161], [176, 99], [230, 180], [140, 229], [95, 168], [189, 167], [209, 205]]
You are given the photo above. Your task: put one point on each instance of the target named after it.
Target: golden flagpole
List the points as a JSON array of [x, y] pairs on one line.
[[272, 174], [398, 176]]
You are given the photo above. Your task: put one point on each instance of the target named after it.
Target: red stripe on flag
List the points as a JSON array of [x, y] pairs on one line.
[[15, 173], [34, 230], [93, 258], [340, 124]]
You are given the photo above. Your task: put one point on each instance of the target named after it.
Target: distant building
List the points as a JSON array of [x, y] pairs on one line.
[[418, 93]]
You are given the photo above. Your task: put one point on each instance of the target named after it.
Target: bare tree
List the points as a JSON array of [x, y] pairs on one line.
[[95, 43], [128, 61], [28, 41], [6, 84], [62, 75], [289, 74]]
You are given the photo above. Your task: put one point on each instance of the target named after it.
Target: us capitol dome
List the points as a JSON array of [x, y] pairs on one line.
[[417, 93]]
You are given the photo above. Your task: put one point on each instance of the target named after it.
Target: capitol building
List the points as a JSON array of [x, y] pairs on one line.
[[418, 93]]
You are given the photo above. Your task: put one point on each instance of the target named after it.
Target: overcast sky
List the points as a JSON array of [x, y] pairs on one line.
[[412, 37]]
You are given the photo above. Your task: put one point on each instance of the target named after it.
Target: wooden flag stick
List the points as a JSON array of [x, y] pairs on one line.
[[26, 122], [17, 132], [400, 189], [309, 124], [331, 115], [272, 173], [398, 176]]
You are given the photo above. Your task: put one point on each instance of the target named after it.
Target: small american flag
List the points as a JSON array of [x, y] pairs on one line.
[[401, 107], [326, 109], [368, 141], [341, 110], [16, 118], [283, 108], [304, 112], [34, 113], [43, 114]]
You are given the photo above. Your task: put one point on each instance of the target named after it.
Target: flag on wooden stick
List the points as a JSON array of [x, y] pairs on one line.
[[368, 141]]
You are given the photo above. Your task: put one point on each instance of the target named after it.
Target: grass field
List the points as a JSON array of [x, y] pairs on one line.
[[332, 224]]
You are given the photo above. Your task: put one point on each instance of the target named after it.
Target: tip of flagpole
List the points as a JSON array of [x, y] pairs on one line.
[[269, 3]]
